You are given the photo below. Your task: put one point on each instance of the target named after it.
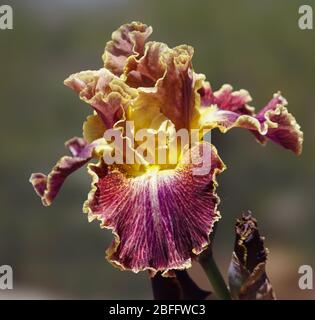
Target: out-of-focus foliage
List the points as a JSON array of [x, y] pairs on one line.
[[255, 45]]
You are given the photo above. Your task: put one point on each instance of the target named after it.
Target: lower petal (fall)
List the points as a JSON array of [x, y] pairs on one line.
[[48, 186], [161, 218]]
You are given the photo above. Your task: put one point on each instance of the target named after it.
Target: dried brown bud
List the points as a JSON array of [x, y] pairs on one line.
[[247, 272]]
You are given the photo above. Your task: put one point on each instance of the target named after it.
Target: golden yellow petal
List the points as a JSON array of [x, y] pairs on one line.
[[93, 128]]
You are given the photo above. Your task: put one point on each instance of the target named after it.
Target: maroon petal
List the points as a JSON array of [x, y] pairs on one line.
[[177, 88], [287, 132], [147, 70], [159, 219], [206, 94], [47, 187], [226, 99], [128, 40], [273, 122], [175, 94]]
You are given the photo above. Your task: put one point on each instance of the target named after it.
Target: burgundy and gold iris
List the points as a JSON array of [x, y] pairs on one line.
[[161, 216]]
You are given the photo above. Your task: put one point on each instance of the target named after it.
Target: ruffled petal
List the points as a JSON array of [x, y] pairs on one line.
[[175, 94], [159, 219], [273, 122], [226, 99], [161, 215], [48, 186], [126, 41], [147, 70], [287, 133], [107, 94]]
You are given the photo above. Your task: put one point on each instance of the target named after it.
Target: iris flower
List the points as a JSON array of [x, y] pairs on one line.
[[161, 215]]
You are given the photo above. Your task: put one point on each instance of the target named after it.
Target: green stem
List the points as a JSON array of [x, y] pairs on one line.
[[212, 271], [210, 267]]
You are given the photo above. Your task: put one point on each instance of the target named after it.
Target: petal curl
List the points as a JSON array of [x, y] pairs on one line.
[[287, 133], [273, 122], [126, 41], [175, 94], [226, 99], [48, 186], [107, 94], [147, 70], [160, 219]]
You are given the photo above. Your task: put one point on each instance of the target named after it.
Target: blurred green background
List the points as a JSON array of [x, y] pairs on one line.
[[255, 45]]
